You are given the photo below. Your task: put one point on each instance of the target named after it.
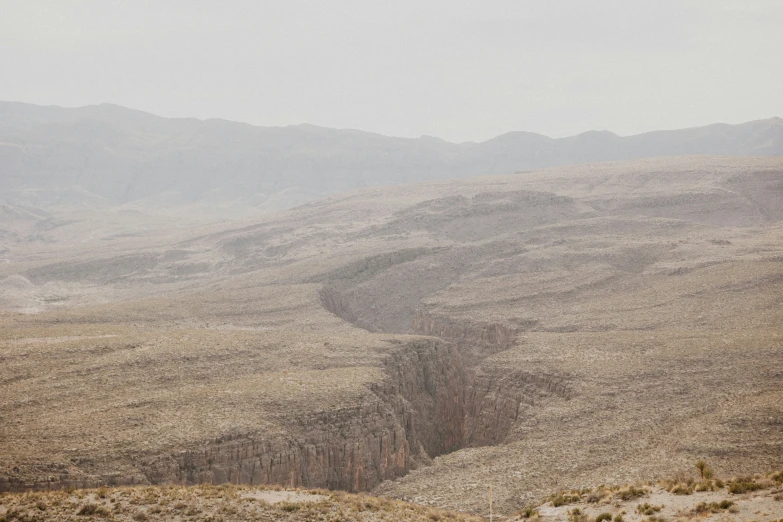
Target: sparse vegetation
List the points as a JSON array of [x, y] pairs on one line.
[[91, 509], [563, 498], [528, 512], [712, 507], [742, 485], [704, 470], [227, 503], [630, 493], [608, 311], [647, 509]]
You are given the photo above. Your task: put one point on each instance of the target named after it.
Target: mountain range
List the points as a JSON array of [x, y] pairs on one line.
[[105, 155]]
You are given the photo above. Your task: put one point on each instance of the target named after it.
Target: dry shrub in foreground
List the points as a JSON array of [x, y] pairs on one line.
[[212, 503]]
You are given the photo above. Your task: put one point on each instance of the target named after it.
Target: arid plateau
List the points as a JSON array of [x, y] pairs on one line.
[[566, 328]]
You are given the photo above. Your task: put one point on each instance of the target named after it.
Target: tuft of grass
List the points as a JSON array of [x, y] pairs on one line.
[[288, 507], [598, 495], [682, 489], [92, 509], [648, 509], [742, 485], [529, 512], [603, 516], [711, 507], [630, 493], [563, 498], [705, 470]]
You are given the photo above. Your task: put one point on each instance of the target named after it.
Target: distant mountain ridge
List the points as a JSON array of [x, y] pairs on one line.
[[107, 155]]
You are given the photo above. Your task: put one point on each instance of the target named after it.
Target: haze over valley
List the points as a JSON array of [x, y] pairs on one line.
[[105, 156]]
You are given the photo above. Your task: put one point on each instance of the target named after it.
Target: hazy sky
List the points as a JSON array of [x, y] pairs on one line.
[[460, 70]]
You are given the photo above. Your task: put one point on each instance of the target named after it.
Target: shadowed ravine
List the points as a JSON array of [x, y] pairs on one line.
[[430, 403]]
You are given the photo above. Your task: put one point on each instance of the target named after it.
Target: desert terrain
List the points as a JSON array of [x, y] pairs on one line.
[[555, 329]]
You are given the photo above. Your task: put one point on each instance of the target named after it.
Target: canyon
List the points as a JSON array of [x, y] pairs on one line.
[[551, 329]]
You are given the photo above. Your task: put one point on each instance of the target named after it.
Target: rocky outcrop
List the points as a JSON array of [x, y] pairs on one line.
[[334, 301], [350, 449], [367, 267], [413, 415], [432, 401], [493, 400], [476, 338], [496, 400]]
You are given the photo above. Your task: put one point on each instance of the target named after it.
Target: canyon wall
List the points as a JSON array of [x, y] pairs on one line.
[[432, 401], [415, 413]]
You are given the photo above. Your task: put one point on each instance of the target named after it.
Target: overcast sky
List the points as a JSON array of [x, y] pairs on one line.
[[460, 70]]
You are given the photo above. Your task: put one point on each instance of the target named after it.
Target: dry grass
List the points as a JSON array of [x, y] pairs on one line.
[[662, 502], [211, 503]]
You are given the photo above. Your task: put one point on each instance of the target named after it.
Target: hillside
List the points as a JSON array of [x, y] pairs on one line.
[[210, 503], [104, 156], [556, 329], [756, 497]]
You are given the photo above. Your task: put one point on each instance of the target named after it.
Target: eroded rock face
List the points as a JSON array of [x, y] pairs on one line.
[[418, 412], [477, 337], [351, 449], [430, 403]]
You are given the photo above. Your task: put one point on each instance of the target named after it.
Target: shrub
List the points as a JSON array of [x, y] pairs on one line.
[[576, 515], [528, 512], [93, 509], [619, 517], [681, 489], [647, 509], [630, 493], [561, 499], [711, 507], [288, 507], [603, 516], [742, 485]]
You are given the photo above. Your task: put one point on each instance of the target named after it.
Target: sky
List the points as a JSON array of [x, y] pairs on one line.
[[459, 70]]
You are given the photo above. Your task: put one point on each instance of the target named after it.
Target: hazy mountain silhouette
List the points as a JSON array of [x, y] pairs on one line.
[[104, 155]]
